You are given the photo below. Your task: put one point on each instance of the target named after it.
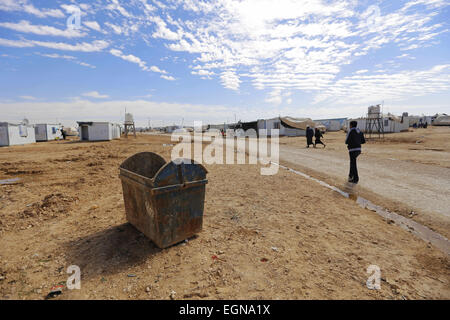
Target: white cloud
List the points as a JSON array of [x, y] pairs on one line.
[[26, 27], [95, 46], [367, 89], [112, 110], [290, 44], [28, 97], [93, 25], [117, 29], [129, 58], [169, 78], [25, 6], [66, 57], [16, 43], [95, 94], [157, 70], [140, 62], [115, 6], [230, 80], [278, 46]]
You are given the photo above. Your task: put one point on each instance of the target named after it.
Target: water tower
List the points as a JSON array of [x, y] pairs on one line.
[[374, 122], [129, 124]]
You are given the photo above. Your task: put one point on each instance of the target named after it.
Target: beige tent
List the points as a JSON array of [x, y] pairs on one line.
[[297, 123], [321, 127], [442, 120]]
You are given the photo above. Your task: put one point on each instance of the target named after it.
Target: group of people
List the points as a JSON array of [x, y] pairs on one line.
[[355, 138], [420, 125], [310, 133]]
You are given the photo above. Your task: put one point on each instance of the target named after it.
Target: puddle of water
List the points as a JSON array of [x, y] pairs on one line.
[[424, 233], [9, 181]]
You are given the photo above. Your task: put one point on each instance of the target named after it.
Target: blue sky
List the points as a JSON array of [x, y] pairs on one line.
[[172, 61]]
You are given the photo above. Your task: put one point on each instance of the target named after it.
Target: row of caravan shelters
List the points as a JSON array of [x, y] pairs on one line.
[[440, 119], [12, 134], [23, 133], [394, 124], [388, 124]]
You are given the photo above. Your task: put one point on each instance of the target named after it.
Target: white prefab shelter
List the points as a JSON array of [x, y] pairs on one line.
[[390, 125], [16, 134], [98, 131], [47, 132]]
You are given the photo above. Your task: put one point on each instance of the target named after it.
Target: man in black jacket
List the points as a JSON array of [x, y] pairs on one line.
[[318, 134], [354, 140], [309, 136]]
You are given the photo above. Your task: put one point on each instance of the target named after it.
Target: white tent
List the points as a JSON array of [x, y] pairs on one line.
[[442, 120], [288, 126], [47, 132], [16, 134]]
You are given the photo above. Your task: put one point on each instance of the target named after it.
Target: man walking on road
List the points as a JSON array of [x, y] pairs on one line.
[[318, 135], [309, 136], [354, 140]]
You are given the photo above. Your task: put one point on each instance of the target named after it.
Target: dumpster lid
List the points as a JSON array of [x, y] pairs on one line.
[[179, 171], [145, 164]]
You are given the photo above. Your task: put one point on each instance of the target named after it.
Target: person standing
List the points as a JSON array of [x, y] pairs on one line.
[[354, 140], [63, 133], [318, 135], [309, 136]]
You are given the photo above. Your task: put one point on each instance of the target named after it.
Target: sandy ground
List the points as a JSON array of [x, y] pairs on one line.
[[264, 237], [407, 172]]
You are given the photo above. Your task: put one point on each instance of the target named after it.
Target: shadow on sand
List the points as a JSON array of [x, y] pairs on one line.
[[110, 251]]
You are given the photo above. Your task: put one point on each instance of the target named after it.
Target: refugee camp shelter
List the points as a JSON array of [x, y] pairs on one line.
[[391, 124], [332, 124], [16, 134], [98, 131], [288, 126], [171, 129], [47, 132], [416, 120], [71, 131], [441, 120]]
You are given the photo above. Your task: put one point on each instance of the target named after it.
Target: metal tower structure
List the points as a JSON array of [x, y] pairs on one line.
[[374, 122], [129, 124]]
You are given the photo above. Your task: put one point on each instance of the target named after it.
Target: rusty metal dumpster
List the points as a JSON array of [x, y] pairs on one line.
[[165, 201]]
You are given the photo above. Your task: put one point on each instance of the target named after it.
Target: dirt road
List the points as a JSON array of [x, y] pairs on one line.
[[412, 186]]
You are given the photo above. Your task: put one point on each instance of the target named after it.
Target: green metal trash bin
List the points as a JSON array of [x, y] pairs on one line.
[[165, 201]]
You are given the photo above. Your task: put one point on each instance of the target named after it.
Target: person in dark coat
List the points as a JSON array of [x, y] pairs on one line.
[[309, 136], [63, 133], [354, 140], [318, 135]]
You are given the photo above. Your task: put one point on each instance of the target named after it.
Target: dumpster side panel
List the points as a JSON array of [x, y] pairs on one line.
[[179, 215], [139, 209]]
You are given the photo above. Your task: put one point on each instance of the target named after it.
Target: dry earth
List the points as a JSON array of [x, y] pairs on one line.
[[264, 237]]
